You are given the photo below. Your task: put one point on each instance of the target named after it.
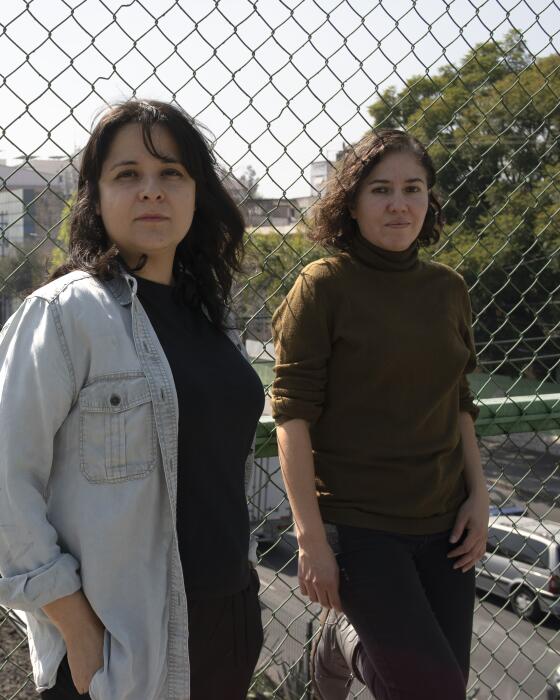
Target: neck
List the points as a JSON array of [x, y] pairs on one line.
[[155, 269], [381, 259]]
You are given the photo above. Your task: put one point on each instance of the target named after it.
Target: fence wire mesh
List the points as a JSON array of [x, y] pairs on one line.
[[285, 87]]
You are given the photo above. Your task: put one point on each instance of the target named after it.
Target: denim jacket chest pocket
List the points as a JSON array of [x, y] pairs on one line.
[[118, 439]]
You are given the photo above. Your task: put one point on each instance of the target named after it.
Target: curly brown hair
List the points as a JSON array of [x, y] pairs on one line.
[[207, 258], [333, 224]]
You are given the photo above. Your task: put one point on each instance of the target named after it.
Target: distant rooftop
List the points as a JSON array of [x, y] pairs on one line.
[[13, 176]]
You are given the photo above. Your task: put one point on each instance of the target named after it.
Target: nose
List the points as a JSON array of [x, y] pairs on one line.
[[397, 202], [150, 190]]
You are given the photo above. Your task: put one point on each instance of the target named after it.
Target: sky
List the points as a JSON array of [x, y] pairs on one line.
[[278, 83]]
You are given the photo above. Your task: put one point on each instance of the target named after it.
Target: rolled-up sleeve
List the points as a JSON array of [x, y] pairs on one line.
[[37, 389], [302, 341], [466, 397]]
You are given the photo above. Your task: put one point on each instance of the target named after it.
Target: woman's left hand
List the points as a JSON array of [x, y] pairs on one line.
[[472, 517]]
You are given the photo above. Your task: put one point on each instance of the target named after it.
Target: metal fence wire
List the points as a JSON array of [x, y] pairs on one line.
[[286, 86]]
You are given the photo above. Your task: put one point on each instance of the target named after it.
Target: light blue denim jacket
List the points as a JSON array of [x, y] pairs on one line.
[[88, 483]]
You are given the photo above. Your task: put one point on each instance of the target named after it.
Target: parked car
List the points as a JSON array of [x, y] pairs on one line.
[[522, 564], [553, 690]]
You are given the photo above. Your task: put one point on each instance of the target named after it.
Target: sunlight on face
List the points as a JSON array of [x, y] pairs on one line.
[[146, 203], [392, 202]]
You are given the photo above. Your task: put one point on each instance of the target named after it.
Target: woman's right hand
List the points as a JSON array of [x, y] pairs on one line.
[[83, 634], [318, 574], [85, 655]]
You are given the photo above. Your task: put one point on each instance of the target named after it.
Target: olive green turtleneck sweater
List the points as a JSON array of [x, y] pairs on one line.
[[372, 348]]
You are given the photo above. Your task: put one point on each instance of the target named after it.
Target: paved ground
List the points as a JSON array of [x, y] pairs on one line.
[[14, 663], [511, 658]]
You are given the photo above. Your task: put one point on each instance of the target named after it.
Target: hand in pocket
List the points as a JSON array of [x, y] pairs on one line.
[[85, 656]]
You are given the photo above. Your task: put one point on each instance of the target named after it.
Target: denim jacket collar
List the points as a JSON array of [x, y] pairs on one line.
[[123, 287]]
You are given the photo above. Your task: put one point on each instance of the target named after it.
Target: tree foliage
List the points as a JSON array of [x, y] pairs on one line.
[[250, 180], [272, 262], [493, 126], [20, 274], [60, 252]]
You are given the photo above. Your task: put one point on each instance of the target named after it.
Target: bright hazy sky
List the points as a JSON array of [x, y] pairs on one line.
[[279, 83]]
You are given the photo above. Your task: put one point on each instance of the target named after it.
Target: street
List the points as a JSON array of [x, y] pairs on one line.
[[511, 658]]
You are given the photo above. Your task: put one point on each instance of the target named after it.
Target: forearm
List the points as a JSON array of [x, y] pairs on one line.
[[474, 474], [296, 461], [73, 616], [83, 634]]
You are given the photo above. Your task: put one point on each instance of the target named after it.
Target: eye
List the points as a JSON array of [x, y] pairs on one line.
[[172, 172], [125, 174], [413, 188], [379, 190]]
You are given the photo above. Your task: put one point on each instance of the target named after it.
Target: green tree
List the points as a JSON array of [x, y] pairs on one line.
[[272, 263], [492, 124], [62, 241], [250, 181], [20, 274]]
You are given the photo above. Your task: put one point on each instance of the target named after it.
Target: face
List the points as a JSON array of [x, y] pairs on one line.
[[392, 202], [146, 204]]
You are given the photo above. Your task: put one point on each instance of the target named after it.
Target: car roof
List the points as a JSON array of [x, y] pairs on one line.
[[547, 529]]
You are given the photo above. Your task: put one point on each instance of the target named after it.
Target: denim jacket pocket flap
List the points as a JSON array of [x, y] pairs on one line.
[[118, 439], [115, 394]]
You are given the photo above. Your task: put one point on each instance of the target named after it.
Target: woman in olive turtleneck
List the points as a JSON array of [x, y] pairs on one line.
[[376, 433]]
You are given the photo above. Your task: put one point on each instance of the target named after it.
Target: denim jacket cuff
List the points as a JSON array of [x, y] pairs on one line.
[[34, 589]]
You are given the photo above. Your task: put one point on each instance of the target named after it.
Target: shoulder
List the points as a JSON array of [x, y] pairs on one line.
[[76, 290], [41, 302], [316, 289], [450, 284], [326, 273], [329, 267], [80, 303], [76, 281], [446, 274]]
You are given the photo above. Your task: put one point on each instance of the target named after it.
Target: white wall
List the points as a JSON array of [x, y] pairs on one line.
[[11, 216]]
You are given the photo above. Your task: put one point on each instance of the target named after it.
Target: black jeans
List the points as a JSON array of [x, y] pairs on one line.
[[413, 613], [225, 640]]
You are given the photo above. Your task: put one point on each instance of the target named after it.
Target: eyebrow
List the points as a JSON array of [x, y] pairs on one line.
[[388, 182], [163, 159]]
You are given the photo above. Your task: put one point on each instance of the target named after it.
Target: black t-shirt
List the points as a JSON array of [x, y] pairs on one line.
[[220, 401]]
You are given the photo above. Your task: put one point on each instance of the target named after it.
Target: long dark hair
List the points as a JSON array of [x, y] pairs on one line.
[[207, 258], [334, 225]]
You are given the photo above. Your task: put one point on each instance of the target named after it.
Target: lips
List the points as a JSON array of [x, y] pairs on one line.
[[151, 217], [398, 224]]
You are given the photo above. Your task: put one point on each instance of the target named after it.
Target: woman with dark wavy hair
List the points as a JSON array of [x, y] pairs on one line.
[[375, 426], [125, 532]]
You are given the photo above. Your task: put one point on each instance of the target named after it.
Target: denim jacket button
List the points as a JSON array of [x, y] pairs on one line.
[[115, 400]]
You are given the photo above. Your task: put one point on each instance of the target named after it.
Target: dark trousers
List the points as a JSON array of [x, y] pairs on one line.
[[225, 640], [412, 611]]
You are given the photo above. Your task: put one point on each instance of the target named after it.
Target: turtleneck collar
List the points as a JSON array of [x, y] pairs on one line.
[[381, 259]]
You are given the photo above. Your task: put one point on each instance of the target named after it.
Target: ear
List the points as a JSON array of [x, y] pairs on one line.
[[352, 211]]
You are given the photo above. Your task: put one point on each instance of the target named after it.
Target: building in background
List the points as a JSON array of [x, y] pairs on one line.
[[63, 172], [283, 214], [280, 214], [32, 199], [319, 173]]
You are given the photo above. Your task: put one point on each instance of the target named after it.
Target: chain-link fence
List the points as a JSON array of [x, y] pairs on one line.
[[285, 86]]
